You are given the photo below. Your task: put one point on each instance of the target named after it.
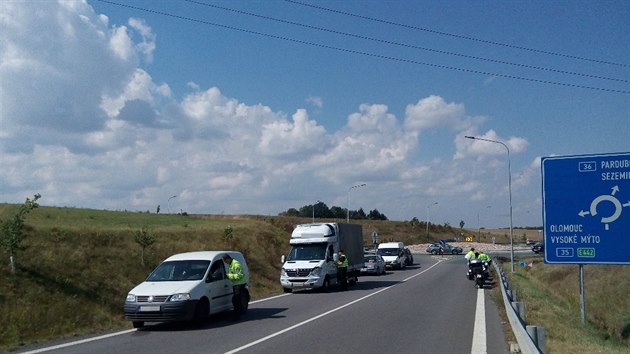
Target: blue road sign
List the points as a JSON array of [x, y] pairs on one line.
[[586, 208]]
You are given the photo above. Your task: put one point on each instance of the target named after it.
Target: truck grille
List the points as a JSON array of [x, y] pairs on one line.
[[155, 298], [298, 272]]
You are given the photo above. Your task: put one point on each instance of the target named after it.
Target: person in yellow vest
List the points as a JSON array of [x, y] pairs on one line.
[[238, 279], [484, 257], [470, 255], [342, 270]]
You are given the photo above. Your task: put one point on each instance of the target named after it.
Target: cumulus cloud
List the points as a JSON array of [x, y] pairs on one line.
[[433, 111]]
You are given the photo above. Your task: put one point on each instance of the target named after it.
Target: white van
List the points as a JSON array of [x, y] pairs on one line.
[[393, 253], [186, 286]]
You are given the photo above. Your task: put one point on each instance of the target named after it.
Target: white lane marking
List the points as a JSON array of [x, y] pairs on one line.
[[78, 342], [87, 340], [479, 331], [269, 298], [323, 314]]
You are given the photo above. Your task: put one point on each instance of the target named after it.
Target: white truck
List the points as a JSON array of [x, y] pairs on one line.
[[311, 263]]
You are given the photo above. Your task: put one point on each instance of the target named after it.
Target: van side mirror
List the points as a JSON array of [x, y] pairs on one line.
[[336, 257], [283, 259]]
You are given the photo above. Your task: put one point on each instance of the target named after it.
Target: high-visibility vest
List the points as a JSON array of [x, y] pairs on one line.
[[344, 263], [484, 257], [471, 255], [235, 273]]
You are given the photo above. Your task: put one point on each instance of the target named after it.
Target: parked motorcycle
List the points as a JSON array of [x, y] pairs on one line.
[[478, 271]]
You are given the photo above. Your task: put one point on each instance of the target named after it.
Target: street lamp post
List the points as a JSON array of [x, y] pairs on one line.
[[428, 206], [168, 204], [509, 190], [348, 200]]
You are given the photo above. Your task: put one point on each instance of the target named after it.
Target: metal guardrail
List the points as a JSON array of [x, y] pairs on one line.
[[515, 312]]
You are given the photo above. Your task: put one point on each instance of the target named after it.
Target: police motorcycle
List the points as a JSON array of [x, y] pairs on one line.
[[478, 271]]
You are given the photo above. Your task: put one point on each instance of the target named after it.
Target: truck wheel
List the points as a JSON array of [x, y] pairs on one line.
[[287, 290], [138, 324]]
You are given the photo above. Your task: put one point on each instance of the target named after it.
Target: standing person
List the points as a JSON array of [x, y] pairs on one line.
[[483, 257], [238, 279], [342, 270], [470, 255]]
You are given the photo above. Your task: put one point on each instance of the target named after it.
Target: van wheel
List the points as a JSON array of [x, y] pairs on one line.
[[138, 324], [201, 311]]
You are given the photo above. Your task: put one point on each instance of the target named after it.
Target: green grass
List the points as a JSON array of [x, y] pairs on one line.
[[79, 264], [552, 300]]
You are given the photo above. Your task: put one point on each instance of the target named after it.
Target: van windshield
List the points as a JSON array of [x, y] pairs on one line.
[[307, 252], [388, 251], [179, 270]]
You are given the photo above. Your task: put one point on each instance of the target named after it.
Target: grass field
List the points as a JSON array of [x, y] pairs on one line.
[[551, 296]]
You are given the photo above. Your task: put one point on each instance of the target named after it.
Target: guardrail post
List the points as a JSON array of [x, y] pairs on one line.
[[540, 339], [532, 331], [519, 307]]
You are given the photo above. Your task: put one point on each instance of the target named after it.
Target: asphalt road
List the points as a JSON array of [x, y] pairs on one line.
[[430, 307]]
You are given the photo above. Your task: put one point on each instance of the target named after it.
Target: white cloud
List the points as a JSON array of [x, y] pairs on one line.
[[315, 101], [433, 112]]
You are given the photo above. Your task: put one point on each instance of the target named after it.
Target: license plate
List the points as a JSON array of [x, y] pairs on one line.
[[149, 308]]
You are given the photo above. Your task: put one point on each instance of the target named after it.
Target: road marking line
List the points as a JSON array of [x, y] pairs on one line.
[[479, 331], [78, 342], [251, 344]]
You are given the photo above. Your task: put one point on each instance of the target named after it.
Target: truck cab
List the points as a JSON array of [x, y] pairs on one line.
[[311, 262]]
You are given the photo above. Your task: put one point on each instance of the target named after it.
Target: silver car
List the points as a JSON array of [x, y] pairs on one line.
[[373, 264]]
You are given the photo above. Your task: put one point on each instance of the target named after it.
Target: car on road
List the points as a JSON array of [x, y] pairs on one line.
[[530, 242], [538, 247], [186, 286], [434, 248], [373, 264]]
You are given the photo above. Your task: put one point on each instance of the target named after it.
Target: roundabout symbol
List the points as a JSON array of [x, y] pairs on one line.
[[610, 198]]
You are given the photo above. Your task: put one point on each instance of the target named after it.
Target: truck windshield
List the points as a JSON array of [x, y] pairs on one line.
[[388, 251], [179, 271], [309, 252]]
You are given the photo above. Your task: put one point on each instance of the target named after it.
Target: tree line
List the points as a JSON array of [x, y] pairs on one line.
[[321, 211]]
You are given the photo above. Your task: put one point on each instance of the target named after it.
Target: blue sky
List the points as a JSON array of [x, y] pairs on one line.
[[254, 107]]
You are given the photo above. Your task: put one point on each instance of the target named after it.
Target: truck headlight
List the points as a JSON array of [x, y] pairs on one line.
[[131, 298], [315, 272], [283, 273], [180, 297]]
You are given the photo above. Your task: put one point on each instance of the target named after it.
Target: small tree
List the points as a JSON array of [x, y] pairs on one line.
[[145, 239], [228, 234], [12, 231]]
